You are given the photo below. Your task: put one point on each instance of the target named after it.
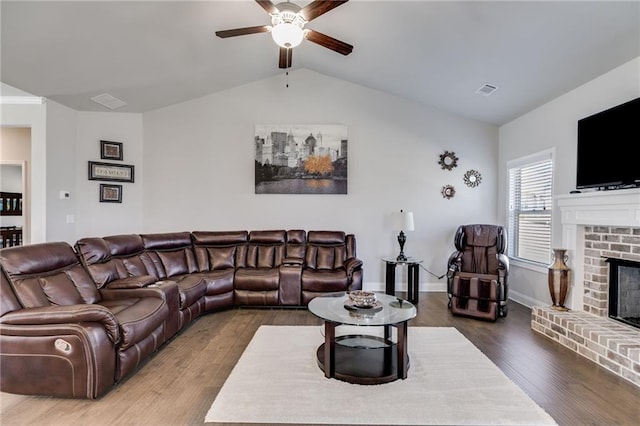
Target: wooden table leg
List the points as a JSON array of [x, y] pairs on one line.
[[390, 281], [413, 284], [387, 332], [403, 356], [329, 349]]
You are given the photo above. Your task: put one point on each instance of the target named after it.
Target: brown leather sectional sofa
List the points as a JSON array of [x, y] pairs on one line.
[[73, 322]]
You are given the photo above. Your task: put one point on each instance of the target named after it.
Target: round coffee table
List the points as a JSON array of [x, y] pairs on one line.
[[362, 357]]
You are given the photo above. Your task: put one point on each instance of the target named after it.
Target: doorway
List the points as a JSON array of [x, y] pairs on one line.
[[15, 208]]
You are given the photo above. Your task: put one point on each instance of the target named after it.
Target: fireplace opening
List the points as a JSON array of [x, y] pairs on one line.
[[624, 291]]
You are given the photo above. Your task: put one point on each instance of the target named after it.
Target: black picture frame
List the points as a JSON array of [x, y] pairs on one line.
[[111, 172], [110, 193], [111, 150]]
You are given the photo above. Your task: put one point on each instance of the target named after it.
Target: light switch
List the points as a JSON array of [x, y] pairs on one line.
[[71, 218]]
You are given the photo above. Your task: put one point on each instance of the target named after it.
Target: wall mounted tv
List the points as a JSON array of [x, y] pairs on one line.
[[608, 143]]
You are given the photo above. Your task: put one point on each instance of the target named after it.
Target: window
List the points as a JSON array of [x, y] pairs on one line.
[[530, 206]]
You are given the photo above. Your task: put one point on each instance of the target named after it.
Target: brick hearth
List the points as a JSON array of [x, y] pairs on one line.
[[609, 343]]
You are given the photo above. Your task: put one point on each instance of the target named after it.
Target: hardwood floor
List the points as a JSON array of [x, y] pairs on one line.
[[179, 383]]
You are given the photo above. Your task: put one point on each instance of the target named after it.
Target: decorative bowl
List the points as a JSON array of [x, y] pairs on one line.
[[362, 298]]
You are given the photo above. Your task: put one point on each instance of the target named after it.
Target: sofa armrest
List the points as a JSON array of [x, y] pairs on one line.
[[503, 265], [71, 314], [454, 264], [166, 290], [292, 261], [158, 289], [351, 265], [132, 282]]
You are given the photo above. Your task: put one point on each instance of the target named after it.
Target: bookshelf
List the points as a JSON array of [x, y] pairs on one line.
[[10, 205]]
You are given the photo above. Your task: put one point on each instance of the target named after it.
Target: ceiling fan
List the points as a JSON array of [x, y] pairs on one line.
[[287, 27]]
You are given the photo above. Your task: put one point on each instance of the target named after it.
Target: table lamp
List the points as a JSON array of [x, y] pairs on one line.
[[402, 221]]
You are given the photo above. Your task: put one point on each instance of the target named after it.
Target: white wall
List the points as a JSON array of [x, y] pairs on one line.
[[61, 162], [554, 125], [73, 139], [93, 218], [199, 172]]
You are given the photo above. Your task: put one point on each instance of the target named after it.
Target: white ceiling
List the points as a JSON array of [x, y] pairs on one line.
[[152, 54]]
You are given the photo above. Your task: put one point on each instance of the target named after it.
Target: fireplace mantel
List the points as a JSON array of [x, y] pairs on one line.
[[597, 208], [608, 208]]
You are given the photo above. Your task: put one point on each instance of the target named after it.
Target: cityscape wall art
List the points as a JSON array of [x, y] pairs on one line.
[[301, 159]]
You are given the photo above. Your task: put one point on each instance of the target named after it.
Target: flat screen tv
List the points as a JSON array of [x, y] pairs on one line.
[[608, 143]]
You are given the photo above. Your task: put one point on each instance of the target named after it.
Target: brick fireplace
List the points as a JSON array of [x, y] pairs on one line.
[[596, 226]]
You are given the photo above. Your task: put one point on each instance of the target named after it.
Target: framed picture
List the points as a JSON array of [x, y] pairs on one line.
[[110, 171], [300, 158], [111, 150], [110, 193]]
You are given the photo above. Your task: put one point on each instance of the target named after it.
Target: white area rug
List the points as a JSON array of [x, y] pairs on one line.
[[277, 380]]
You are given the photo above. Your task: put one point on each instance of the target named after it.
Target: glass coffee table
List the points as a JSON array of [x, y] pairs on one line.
[[362, 357]]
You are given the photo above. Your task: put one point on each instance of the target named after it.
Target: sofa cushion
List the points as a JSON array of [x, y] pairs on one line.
[[326, 237], [264, 256], [296, 244], [135, 266], [192, 288], [219, 250], [48, 274], [324, 281], [114, 257], [257, 279], [58, 290], [37, 258], [325, 257], [221, 257], [103, 273], [218, 282], [174, 262], [93, 250], [124, 245], [166, 240]]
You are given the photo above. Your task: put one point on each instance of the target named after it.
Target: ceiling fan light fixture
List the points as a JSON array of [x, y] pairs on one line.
[[287, 35], [286, 28]]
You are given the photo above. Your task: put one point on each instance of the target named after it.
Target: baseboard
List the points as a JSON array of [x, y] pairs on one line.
[[525, 300], [515, 296], [424, 287]]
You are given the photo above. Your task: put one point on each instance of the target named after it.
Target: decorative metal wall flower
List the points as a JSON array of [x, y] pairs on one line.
[[448, 160], [472, 178], [448, 191]]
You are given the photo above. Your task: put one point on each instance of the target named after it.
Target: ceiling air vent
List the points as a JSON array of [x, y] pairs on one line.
[[486, 89], [108, 101]]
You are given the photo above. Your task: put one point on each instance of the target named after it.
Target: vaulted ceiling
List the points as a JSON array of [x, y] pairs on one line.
[[152, 54]]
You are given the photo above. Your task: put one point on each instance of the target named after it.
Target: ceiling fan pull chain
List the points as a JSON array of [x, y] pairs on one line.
[[287, 76]]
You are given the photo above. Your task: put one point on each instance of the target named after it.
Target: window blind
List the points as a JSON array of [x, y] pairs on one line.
[[530, 208]]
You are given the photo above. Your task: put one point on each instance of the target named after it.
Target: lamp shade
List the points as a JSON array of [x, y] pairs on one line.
[[403, 221]]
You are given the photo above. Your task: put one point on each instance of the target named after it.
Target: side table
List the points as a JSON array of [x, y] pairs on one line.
[[413, 277]]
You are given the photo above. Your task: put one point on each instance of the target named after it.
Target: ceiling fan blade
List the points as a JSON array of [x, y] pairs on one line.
[[328, 42], [286, 56], [319, 7], [243, 31], [268, 6]]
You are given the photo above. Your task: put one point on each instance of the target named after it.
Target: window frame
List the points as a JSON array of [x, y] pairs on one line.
[[518, 163]]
